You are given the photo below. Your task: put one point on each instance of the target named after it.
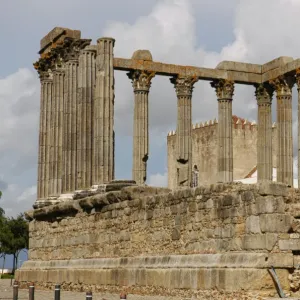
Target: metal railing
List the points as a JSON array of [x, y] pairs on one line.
[[57, 289]]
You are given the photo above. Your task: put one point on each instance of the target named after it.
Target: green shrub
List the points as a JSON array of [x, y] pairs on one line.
[[7, 276]]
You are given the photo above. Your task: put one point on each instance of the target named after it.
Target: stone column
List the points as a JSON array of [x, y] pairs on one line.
[[298, 88], [224, 90], [264, 95], [283, 86], [103, 144], [141, 82], [56, 132], [43, 157], [184, 89], [86, 83], [70, 120]]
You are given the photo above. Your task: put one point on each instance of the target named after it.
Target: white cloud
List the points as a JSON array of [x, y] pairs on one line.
[[29, 194], [19, 114], [171, 32], [159, 179], [19, 100]]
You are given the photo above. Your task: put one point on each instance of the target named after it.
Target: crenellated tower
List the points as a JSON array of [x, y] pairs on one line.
[[204, 149]]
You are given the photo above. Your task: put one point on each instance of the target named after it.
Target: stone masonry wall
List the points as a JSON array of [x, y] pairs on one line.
[[204, 151], [221, 236], [217, 219]]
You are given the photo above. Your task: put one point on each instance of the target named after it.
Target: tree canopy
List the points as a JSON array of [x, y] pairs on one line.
[[14, 235]]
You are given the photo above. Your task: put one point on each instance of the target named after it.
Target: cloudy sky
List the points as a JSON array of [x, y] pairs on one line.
[[187, 32]]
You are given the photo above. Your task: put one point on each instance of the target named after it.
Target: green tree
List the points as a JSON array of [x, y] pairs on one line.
[[14, 237], [2, 250]]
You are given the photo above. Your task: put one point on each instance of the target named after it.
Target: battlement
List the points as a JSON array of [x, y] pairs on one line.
[[238, 123]]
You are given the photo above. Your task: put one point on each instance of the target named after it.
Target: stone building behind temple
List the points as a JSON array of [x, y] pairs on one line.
[[204, 150]]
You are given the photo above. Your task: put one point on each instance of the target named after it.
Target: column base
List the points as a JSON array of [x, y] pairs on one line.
[[39, 203], [66, 196], [115, 185]]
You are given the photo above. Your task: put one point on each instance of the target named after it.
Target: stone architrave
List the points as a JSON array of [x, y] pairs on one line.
[[103, 143], [224, 90], [264, 93], [283, 86], [298, 88], [184, 89], [141, 82], [56, 123], [86, 82], [44, 132]]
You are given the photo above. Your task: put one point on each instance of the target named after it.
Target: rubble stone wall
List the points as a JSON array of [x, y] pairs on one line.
[[223, 236]]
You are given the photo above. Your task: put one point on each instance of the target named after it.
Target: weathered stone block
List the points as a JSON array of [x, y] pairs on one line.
[[192, 206], [272, 188], [276, 63], [275, 222], [284, 260], [247, 196], [235, 244], [209, 204], [270, 204], [292, 244], [252, 225], [175, 234], [260, 241], [59, 33]]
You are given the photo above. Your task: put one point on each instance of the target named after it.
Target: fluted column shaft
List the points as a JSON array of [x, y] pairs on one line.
[[86, 82], [283, 86], [298, 88], [55, 176], [103, 146], [141, 82], [70, 120], [264, 135], [184, 89], [224, 90], [44, 133]]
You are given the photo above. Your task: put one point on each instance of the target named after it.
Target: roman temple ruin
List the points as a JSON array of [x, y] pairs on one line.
[[91, 231]]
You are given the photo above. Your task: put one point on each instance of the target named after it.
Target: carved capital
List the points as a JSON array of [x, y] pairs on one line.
[[297, 77], [141, 80], [43, 64], [46, 75], [264, 94], [59, 53], [224, 88], [184, 85], [283, 85]]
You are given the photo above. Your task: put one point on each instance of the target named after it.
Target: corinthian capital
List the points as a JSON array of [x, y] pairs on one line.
[[184, 85], [283, 85], [224, 88], [141, 80], [264, 93], [297, 77], [72, 47]]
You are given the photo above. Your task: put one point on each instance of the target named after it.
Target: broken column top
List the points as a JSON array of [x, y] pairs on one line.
[[57, 35]]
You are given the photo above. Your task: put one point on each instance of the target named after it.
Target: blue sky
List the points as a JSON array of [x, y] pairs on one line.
[[187, 32]]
